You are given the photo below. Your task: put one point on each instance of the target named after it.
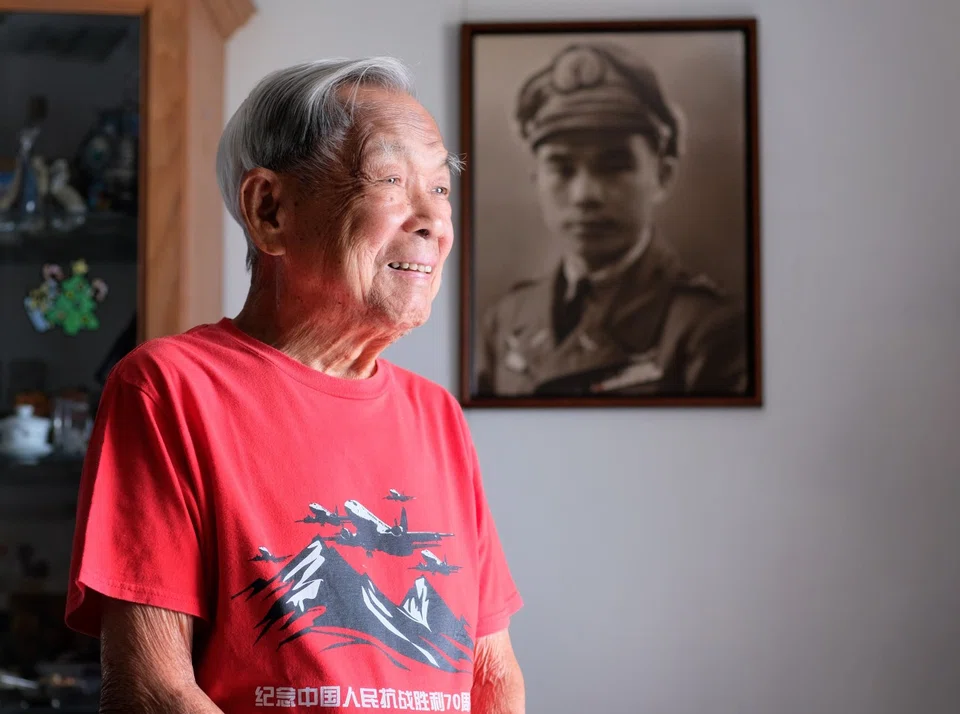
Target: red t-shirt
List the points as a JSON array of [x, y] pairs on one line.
[[332, 533]]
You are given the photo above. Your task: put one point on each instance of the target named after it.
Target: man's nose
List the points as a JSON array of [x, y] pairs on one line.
[[585, 188], [426, 217]]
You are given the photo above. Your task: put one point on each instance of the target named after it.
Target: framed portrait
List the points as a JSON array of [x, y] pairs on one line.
[[610, 214]]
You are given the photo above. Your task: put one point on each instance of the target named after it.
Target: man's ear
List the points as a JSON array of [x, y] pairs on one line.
[[666, 176], [265, 203], [668, 173]]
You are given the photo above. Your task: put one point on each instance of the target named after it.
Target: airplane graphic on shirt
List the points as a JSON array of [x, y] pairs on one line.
[[372, 534], [433, 564], [317, 592]]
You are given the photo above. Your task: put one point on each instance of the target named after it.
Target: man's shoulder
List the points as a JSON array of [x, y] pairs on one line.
[[700, 291], [172, 358], [425, 394], [699, 303], [535, 283], [524, 296], [413, 383]]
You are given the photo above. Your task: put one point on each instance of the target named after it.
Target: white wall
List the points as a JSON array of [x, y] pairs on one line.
[[800, 559]]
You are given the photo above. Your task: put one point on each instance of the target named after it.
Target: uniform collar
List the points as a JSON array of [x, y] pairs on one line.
[[574, 267], [617, 327]]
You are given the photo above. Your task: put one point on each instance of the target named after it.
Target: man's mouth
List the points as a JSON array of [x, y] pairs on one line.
[[412, 267], [592, 226]]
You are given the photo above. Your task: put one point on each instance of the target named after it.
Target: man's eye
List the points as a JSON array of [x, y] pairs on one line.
[[392, 179], [442, 190], [558, 168]]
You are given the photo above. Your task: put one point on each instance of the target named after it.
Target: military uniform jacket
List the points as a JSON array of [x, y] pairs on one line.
[[658, 329]]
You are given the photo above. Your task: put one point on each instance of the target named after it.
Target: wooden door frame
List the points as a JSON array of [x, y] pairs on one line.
[[180, 251]]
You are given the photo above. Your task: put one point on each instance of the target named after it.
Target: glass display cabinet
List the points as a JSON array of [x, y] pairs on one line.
[[110, 234]]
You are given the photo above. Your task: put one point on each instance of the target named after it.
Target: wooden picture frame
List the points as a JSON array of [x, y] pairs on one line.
[[627, 152]]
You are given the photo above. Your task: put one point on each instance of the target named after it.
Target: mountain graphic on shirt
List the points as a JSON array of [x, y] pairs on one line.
[[320, 593]]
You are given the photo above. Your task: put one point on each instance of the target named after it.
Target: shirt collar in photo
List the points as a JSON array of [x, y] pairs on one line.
[[574, 267]]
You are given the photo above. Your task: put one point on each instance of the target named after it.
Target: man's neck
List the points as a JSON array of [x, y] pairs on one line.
[[325, 338], [575, 266]]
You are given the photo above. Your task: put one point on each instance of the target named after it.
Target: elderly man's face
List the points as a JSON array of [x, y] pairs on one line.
[[599, 190], [379, 237]]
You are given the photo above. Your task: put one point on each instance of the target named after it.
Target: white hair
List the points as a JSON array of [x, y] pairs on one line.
[[296, 120]]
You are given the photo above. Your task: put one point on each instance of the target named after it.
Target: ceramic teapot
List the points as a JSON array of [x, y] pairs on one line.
[[24, 435]]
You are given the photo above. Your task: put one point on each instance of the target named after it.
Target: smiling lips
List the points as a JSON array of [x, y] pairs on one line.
[[412, 267]]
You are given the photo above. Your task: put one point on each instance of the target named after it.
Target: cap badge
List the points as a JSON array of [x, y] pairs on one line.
[[578, 69]]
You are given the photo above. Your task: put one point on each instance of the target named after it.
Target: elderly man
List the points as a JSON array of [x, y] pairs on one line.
[[273, 515], [620, 314]]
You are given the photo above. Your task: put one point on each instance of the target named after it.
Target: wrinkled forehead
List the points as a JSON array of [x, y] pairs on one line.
[[408, 147], [395, 127]]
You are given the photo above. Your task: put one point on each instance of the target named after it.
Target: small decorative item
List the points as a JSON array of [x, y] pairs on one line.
[[20, 204], [108, 161], [68, 303], [39, 401], [24, 437], [610, 214], [72, 422], [67, 208], [40, 300]]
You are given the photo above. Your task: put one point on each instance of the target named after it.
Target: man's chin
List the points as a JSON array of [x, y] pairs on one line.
[[597, 257], [409, 320]]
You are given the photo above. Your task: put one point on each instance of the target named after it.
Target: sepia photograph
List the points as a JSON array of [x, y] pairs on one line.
[[610, 217]]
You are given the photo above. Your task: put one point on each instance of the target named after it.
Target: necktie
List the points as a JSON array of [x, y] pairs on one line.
[[567, 313]]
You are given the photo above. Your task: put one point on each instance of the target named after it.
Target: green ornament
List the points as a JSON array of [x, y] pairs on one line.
[[74, 307]]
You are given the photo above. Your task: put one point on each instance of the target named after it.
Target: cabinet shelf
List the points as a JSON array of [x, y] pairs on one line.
[[102, 238], [57, 478], [51, 470]]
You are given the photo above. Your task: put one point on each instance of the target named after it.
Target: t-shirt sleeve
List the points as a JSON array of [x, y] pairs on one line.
[[138, 535], [499, 597]]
